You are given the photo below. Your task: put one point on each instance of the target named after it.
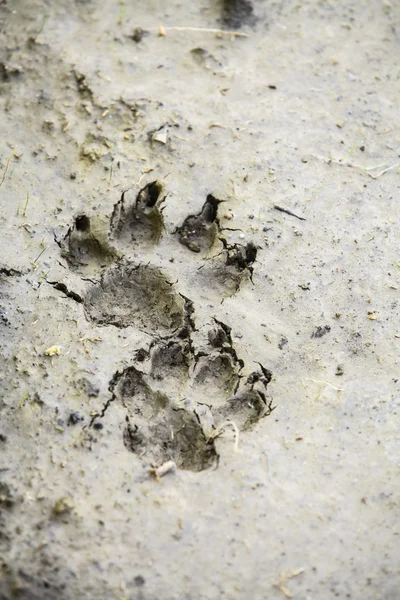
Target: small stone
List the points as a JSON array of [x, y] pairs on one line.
[[53, 351], [74, 418], [62, 507], [138, 34], [160, 136]]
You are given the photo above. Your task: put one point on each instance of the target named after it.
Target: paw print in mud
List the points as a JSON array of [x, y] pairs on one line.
[[179, 391]]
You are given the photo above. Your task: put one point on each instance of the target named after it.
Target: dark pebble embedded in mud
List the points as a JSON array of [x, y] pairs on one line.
[[4, 318], [74, 418], [139, 580], [138, 34], [6, 496]]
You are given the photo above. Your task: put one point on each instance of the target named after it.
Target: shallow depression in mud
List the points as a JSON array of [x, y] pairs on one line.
[[156, 429], [137, 295]]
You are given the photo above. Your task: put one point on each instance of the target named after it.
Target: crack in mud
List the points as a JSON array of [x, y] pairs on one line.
[[61, 287], [8, 272]]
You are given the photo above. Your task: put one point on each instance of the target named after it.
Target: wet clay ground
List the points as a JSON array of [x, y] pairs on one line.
[[199, 263]]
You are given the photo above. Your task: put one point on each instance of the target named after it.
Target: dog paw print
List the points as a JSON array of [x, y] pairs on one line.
[[177, 392]]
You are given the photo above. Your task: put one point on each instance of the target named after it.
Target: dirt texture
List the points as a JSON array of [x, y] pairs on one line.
[[199, 300]]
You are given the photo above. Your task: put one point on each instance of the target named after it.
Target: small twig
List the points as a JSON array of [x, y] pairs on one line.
[[121, 14], [283, 578], [43, 278], [36, 259], [25, 226], [220, 429], [375, 167], [45, 17], [200, 29], [386, 170], [366, 170], [26, 204], [288, 212], [325, 383], [22, 401], [7, 165], [139, 181], [160, 471]]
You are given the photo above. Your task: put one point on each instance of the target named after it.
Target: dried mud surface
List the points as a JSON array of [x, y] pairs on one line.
[[199, 263]]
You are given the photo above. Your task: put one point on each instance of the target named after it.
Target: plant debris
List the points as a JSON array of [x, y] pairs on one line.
[[53, 351], [163, 469], [288, 212]]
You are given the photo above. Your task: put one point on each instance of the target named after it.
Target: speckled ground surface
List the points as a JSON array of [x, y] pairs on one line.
[[155, 303]]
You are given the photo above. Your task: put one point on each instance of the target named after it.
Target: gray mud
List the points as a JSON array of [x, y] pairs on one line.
[[199, 263]]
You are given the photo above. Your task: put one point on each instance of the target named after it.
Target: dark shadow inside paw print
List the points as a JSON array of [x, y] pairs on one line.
[[170, 361], [157, 430], [140, 221], [86, 246], [198, 232]]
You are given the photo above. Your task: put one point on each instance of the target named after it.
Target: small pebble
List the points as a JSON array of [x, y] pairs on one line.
[[74, 418]]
